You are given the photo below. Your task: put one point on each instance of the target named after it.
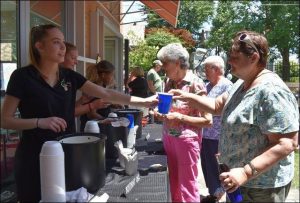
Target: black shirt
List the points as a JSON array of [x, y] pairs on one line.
[[139, 87], [39, 100]]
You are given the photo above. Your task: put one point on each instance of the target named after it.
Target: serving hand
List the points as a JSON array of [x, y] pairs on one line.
[[55, 124], [99, 104], [151, 101]]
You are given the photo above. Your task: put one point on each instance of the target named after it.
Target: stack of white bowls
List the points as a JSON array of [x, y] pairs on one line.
[[91, 127], [52, 171]]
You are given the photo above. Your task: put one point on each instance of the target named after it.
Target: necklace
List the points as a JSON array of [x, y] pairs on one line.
[[48, 79], [257, 76]]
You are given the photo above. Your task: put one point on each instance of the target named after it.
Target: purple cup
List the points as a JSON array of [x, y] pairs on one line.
[[164, 102]]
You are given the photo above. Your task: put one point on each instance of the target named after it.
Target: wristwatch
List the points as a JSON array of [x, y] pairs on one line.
[[254, 171]]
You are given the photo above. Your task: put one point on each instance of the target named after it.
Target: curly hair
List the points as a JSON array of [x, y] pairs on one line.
[[173, 52], [92, 74], [94, 71]]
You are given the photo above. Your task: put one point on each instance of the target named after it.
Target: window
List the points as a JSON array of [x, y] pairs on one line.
[[8, 42]]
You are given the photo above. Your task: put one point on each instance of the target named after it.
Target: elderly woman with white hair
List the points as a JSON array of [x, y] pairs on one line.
[[214, 72], [182, 126]]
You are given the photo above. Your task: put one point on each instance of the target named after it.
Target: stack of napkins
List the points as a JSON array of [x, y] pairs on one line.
[[128, 158], [131, 162]]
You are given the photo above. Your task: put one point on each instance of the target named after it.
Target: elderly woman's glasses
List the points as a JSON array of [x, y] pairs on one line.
[[246, 39]]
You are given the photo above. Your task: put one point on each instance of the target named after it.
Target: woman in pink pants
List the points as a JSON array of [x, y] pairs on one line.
[[182, 126]]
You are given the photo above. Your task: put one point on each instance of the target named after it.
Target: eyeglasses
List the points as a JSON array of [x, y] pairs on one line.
[[246, 39], [207, 67]]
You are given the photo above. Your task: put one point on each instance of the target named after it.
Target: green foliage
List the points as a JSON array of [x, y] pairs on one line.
[[232, 16], [278, 20], [281, 20], [294, 70], [144, 53], [185, 36], [295, 182], [192, 15], [154, 20], [160, 39]]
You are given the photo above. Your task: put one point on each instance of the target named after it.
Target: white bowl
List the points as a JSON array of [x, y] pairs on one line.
[[91, 127]]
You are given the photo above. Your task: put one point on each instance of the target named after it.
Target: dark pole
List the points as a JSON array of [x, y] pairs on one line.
[[126, 64]]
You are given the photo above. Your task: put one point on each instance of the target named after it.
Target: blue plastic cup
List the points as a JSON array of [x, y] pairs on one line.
[[131, 120], [164, 102], [236, 196]]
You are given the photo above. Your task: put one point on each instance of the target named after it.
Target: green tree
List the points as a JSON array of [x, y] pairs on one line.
[[144, 53], [232, 16], [278, 20], [185, 36], [192, 15], [281, 26], [161, 38]]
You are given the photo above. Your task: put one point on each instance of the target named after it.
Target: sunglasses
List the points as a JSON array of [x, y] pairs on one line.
[[246, 39]]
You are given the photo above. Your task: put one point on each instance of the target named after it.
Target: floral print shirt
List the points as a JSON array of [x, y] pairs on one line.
[[247, 117], [190, 83], [222, 86]]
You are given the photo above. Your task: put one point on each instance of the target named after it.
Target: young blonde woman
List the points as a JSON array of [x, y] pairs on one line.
[[81, 107], [70, 56], [45, 95], [101, 74]]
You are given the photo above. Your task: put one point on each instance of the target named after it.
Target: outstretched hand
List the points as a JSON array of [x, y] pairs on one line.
[[173, 118], [55, 124], [99, 104], [150, 102], [180, 95]]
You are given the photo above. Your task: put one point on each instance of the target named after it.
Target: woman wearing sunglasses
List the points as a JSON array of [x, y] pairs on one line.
[[260, 124]]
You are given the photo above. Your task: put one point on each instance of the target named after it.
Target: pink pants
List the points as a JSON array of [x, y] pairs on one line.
[[183, 155]]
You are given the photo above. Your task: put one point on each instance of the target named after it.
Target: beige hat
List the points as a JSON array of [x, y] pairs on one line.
[[157, 62]]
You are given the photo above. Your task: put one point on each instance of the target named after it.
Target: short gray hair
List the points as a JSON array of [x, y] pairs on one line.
[[173, 52], [157, 62], [216, 61]]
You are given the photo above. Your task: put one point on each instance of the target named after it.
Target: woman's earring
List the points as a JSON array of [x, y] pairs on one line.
[[228, 75]]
